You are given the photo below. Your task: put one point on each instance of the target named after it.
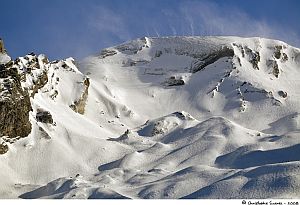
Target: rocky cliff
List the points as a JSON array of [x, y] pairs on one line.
[[21, 79], [14, 103]]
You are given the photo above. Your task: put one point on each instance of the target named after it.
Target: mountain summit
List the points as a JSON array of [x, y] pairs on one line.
[[171, 117]]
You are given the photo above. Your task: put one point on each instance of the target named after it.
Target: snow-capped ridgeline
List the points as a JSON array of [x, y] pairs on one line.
[[173, 117]]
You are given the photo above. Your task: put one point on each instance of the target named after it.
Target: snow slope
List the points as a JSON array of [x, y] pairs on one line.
[[173, 117]]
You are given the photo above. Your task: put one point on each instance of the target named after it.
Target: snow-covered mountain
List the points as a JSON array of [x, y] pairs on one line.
[[173, 117]]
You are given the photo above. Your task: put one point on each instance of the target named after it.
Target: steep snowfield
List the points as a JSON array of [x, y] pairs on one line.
[[177, 117]]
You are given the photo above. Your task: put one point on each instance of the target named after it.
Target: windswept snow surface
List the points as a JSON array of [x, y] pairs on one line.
[[176, 117]]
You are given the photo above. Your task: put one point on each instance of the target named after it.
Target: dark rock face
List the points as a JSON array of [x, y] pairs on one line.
[[105, 53], [158, 54], [14, 99], [284, 57], [41, 82], [282, 94], [30, 66], [2, 49], [14, 105], [277, 53], [272, 64], [44, 117], [213, 57], [254, 57], [275, 69], [3, 148], [172, 81]]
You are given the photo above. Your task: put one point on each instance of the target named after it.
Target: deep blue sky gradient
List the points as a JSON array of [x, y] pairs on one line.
[[78, 28]]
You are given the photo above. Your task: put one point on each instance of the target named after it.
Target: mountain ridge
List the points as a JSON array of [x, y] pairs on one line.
[[145, 118]]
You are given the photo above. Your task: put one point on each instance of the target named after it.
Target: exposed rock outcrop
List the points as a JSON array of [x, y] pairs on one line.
[[79, 105], [105, 53], [251, 55], [254, 57], [173, 81], [212, 57], [19, 80], [32, 72], [14, 105], [282, 94], [2, 49], [41, 82], [279, 54], [44, 116], [275, 69], [3, 147]]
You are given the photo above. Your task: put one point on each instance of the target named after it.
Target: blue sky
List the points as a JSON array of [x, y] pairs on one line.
[[78, 28]]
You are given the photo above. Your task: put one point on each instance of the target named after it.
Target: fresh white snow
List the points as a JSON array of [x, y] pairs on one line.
[[226, 133]]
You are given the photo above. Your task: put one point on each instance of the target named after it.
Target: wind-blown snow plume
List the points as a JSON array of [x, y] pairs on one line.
[[187, 18]]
